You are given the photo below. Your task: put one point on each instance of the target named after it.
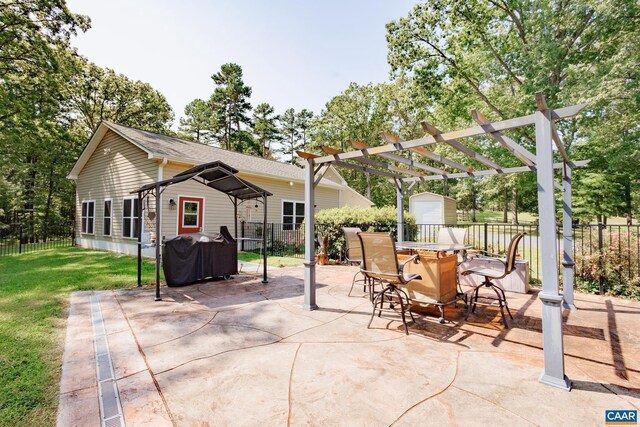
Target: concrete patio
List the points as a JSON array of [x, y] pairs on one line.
[[242, 353]]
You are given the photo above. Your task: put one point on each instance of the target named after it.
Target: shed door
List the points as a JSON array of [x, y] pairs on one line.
[[427, 211], [190, 214]]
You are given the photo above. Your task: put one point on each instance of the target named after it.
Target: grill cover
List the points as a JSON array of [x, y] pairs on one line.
[[188, 258]]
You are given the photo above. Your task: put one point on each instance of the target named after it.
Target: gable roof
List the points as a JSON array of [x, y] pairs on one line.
[[158, 146]]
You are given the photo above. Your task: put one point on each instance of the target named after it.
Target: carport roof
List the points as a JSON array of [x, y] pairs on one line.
[[216, 175]]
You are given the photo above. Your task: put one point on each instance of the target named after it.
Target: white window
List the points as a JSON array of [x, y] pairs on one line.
[[190, 214], [130, 218], [292, 215], [106, 226], [88, 216]]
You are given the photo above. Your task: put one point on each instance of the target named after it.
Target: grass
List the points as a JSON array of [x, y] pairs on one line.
[[34, 289], [272, 261]]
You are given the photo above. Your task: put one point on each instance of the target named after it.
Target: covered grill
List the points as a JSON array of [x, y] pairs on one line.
[[188, 258]]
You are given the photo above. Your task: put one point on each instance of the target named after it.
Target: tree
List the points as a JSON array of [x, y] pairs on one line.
[[290, 141], [303, 120], [494, 55], [265, 128], [98, 94], [198, 123], [230, 107]]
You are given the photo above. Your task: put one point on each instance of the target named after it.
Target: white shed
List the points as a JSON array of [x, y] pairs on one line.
[[431, 208]]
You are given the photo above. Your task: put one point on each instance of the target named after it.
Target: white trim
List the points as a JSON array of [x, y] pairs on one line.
[[108, 199], [82, 202], [122, 236], [201, 228], [283, 201], [122, 247]]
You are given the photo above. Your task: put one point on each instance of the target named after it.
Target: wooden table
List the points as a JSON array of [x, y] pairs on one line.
[[438, 269]]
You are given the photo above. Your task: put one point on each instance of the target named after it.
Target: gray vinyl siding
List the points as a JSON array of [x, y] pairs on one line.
[[115, 168]]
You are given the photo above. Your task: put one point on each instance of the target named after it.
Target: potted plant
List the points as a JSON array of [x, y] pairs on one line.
[[323, 256]]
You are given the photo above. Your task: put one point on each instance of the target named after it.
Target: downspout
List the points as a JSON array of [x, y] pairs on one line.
[[160, 177]]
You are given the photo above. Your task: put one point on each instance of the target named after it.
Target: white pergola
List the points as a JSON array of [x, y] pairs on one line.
[[405, 178]]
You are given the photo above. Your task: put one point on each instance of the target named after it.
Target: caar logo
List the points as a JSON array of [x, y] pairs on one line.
[[621, 417]]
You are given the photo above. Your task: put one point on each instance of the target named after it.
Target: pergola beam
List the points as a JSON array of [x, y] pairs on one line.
[[393, 139], [311, 156], [527, 157], [560, 113], [394, 157], [367, 161], [476, 174], [454, 143]]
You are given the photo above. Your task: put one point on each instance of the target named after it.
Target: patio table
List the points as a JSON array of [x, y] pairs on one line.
[[438, 269]]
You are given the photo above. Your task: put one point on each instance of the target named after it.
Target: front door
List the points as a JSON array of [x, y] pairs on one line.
[[190, 214]]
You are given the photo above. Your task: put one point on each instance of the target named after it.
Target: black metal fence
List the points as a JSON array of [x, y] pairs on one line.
[[604, 254], [22, 233]]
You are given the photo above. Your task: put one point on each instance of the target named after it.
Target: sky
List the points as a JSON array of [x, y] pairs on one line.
[[293, 53]]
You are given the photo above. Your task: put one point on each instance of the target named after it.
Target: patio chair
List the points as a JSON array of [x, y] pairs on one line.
[[489, 275], [380, 263], [353, 254]]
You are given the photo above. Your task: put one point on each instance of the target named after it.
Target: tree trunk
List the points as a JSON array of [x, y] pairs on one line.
[[514, 206], [445, 188], [47, 210], [473, 203], [368, 185], [505, 205]]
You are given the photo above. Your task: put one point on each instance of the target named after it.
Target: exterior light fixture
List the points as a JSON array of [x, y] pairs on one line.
[[172, 204]]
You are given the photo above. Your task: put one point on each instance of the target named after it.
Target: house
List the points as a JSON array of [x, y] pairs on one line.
[[120, 159], [431, 208]]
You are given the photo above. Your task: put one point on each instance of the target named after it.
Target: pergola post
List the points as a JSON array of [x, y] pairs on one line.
[[264, 239], [553, 345], [400, 207], [567, 239], [309, 239]]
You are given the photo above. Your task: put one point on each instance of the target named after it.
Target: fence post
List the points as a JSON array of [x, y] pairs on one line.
[[20, 240], [242, 235], [600, 278], [486, 237], [272, 240]]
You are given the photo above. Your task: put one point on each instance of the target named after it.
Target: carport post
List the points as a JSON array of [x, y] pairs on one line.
[[400, 208], [553, 346], [139, 221], [567, 239], [309, 243], [264, 240], [158, 243]]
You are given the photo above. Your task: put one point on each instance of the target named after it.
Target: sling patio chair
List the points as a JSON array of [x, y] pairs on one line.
[[489, 275], [353, 255], [380, 263]]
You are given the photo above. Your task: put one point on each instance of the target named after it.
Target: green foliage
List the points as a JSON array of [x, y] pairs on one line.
[[617, 267], [265, 128], [294, 128], [230, 104], [329, 222], [199, 122], [96, 94], [495, 56]]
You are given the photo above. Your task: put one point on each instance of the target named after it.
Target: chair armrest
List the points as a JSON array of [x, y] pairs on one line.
[[414, 258]]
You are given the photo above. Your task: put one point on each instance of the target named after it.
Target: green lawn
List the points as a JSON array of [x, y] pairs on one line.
[[33, 295], [272, 261]]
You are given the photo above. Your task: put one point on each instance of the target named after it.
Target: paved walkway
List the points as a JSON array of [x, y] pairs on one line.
[[242, 353]]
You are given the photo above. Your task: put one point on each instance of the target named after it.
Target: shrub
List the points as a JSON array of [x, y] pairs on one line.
[[330, 222], [619, 267]]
